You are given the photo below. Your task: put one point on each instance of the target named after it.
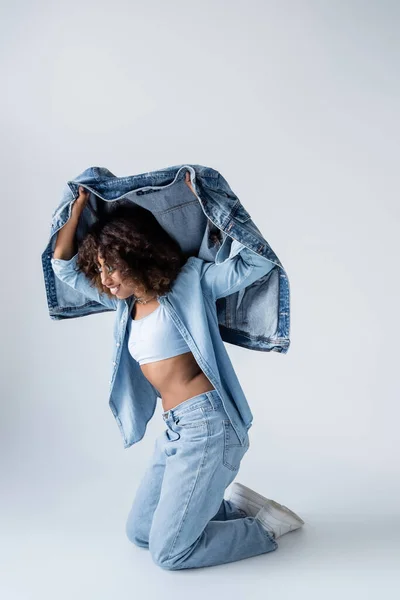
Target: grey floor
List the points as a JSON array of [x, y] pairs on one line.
[[62, 542]]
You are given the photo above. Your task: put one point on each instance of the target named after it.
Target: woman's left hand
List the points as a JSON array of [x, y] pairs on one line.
[[188, 182]]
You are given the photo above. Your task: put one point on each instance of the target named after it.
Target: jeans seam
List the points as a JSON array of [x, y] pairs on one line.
[[226, 424], [191, 493], [270, 536]]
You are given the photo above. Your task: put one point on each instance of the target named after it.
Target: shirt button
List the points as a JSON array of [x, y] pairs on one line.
[[118, 344], [114, 363]]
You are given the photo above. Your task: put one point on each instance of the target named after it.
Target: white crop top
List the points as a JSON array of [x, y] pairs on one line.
[[155, 337]]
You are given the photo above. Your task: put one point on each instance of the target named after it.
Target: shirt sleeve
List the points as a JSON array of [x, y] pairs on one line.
[[67, 271], [240, 269]]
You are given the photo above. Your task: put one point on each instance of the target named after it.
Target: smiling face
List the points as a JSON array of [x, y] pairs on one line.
[[111, 278]]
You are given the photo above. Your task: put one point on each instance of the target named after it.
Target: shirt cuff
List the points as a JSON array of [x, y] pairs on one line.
[[59, 264]]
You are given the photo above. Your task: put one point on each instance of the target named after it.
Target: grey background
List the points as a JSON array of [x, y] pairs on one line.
[[296, 104]]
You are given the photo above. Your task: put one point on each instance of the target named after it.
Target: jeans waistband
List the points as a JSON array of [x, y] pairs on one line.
[[211, 399]]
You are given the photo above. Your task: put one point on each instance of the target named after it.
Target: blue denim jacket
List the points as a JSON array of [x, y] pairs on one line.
[[232, 287]]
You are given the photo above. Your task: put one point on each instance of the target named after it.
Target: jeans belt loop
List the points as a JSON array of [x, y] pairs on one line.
[[210, 399]]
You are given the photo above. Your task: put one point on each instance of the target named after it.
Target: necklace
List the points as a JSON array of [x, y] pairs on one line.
[[142, 301]]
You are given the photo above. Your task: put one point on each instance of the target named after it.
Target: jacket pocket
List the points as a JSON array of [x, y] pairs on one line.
[[240, 213], [234, 449]]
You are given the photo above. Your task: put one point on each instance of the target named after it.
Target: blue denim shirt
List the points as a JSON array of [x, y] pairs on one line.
[[232, 288]]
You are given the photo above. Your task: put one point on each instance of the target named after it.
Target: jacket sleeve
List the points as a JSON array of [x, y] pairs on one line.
[[240, 269], [66, 270]]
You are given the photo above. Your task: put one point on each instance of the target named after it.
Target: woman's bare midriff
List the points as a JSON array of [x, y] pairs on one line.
[[177, 378]]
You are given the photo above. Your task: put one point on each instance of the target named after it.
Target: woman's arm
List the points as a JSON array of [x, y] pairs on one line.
[[65, 241], [64, 260], [239, 270]]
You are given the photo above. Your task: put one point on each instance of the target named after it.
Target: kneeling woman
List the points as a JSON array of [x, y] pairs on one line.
[[179, 511]]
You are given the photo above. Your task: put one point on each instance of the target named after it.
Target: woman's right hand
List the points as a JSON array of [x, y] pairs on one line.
[[65, 246]]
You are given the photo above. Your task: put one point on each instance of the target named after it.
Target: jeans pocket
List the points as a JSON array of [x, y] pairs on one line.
[[234, 449], [191, 418]]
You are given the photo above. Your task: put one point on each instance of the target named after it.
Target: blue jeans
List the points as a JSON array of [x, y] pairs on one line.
[[179, 512]]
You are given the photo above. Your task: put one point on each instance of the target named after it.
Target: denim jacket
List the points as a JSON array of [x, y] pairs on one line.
[[232, 287]]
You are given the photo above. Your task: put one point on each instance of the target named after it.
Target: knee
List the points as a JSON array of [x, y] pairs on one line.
[[159, 552], [136, 536], [169, 564]]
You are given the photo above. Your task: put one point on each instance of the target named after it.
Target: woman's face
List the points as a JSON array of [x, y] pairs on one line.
[[111, 278]]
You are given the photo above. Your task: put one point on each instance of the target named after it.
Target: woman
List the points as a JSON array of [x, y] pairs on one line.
[[179, 511]]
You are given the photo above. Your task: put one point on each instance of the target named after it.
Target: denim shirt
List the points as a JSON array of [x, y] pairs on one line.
[[232, 287]]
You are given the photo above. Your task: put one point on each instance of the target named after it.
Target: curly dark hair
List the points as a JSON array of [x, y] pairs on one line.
[[129, 238]]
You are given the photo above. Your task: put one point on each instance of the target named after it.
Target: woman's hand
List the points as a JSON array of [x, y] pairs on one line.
[[83, 197], [188, 182]]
